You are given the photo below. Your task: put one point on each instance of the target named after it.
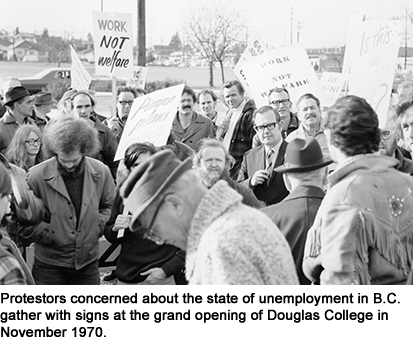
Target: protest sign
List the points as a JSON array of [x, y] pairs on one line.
[[287, 67], [352, 43], [255, 47], [138, 79], [332, 84], [150, 118], [1, 82], [372, 71], [113, 44], [80, 78]]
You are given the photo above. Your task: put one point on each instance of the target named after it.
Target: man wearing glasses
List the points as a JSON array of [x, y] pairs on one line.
[[257, 168], [126, 96], [225, 241], [279, 100], [78, 193], [390, 137]]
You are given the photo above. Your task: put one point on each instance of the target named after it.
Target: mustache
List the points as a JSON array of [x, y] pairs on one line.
[[186, 106], [214, 169], [311, 114]]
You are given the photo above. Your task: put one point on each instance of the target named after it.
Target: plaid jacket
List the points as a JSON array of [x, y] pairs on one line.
[[242, 136]]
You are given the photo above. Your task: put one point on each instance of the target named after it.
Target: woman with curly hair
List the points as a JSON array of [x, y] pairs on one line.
[[25, 149]]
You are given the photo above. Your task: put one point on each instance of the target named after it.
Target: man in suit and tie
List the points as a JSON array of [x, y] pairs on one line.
[[257, 168]]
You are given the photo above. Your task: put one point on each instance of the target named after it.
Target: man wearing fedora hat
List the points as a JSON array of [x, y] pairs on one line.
[[225, 241], [304, 173], [43, 102], [8, 83], [20, 108], [363, 231]]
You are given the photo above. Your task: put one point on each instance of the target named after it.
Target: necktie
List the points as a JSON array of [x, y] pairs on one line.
[[268, 164], [268, 161]]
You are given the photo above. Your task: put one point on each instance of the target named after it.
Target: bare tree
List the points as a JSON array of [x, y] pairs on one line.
[[213, 29]]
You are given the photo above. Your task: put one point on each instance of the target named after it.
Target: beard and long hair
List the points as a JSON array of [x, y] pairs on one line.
[[210, 176], [79, 169]]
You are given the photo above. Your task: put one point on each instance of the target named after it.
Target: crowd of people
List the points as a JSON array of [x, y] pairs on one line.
[[260, 195]]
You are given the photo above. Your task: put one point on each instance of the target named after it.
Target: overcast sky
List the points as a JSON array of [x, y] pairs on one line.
[[319, 23]]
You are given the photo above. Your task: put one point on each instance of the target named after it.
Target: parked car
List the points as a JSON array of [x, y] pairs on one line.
[[41, 80]]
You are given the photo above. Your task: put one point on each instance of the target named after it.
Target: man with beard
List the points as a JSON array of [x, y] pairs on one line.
[[188, 126], [390, 137], [77, 192], [311, 124], [212, 163]]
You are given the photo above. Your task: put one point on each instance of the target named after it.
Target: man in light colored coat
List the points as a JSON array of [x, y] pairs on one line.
[[363, 231], [225, 241]]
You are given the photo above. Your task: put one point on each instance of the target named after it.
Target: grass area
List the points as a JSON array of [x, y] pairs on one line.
[[194, 77]]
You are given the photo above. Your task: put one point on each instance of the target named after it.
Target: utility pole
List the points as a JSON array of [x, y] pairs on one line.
[[405, 44], [291, 27], [298, 31], [141, 33]]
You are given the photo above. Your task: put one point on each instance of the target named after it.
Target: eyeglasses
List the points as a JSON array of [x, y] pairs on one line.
[[33, 141], [385, 134], [149, 233], [269, 127], [123, 103], [278, 102]]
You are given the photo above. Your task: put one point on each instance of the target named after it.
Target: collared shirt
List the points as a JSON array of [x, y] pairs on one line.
[[303, 134], [235, 115]]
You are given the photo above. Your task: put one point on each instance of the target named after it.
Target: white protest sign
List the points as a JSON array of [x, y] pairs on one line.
[[353, 43], [80, 78], [372, 71], [113, 44], [150, 118], [287, 67], [332, 84], [256, 46], [1, 82], [139, 77]]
